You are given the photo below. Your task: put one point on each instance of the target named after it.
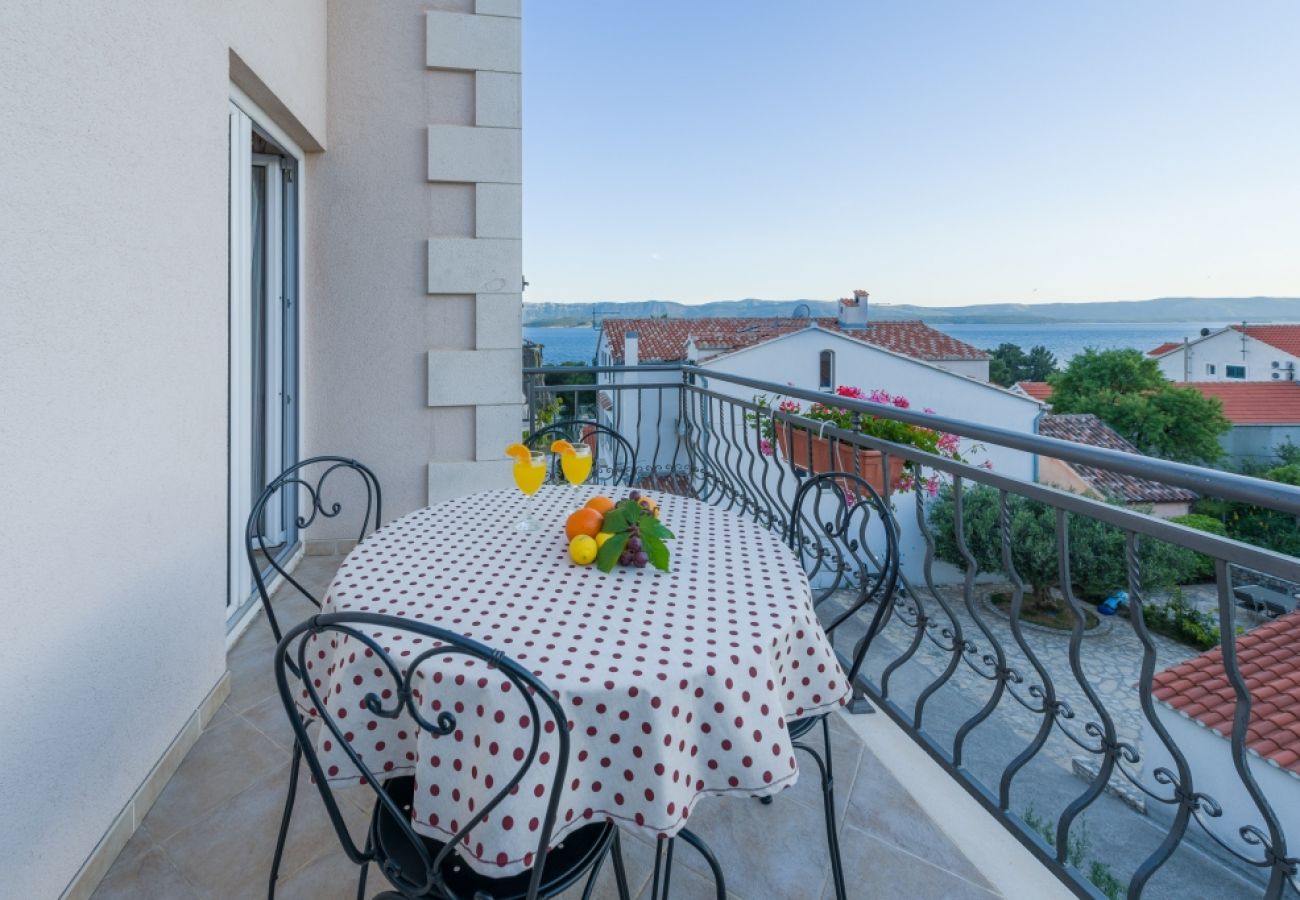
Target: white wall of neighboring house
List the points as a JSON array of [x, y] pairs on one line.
[[971, 368], [1210, 757], [793, 359], [113, 276], [1208, 359]]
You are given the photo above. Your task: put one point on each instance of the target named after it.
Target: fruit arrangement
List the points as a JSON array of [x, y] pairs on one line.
[[626, 533]]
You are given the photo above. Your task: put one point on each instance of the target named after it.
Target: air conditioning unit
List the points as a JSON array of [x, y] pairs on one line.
[[1277, 376], [1276, 364]]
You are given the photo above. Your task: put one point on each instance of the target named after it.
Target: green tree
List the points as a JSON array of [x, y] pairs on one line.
[[1006, 363], [1097, 550], [1009, 364], [586, 399], [1127, 391]]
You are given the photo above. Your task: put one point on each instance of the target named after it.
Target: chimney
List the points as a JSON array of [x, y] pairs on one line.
[[853, 312], [632, 349], [692, 352]]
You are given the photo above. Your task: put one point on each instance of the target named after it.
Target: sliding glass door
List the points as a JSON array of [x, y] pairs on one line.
[[263, 340]]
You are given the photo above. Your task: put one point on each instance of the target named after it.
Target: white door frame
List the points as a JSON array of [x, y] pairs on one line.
[[243, 117]]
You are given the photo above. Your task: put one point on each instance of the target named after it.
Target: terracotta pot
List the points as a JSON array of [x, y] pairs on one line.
[[795, 444]]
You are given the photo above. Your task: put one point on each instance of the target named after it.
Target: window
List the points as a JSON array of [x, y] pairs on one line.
[[1235, 371], [1209, 368], [826, 370]]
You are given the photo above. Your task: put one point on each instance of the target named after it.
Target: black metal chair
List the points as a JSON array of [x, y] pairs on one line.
[[294, 496], [613, 461], [418, 866], [831, 516]]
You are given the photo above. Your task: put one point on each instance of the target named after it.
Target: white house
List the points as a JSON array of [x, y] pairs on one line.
[[929, 368], [1196, 704], [233, 235], [1236, 353]]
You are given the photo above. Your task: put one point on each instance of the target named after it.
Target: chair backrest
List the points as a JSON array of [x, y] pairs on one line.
[[295, 495], [613, 461], [403, 685], [845, 533]]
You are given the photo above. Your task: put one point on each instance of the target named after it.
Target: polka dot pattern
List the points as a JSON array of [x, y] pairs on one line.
[[676, 684]]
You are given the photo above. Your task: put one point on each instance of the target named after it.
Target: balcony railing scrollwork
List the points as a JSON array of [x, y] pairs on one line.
[[1074, 739]]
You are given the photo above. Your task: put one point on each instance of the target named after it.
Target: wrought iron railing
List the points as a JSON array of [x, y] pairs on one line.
[[1107, 766]]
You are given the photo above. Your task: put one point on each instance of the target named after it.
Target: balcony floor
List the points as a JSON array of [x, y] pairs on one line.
[[212, 831]]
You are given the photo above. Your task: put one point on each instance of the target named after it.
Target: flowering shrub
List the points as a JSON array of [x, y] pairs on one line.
[[937, 442]]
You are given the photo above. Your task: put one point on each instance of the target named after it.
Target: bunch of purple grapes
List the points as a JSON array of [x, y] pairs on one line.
[[634, 553]]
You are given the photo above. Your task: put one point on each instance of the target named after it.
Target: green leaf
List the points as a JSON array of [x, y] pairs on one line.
[[610, 551], [615, 521], [655, 549], [656, 529]]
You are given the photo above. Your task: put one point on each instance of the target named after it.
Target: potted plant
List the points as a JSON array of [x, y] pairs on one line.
[[805, 448]]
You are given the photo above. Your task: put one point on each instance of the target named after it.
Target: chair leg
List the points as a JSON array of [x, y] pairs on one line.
[[828, 802], [620, 873], [284, 819], [719, 883], [361, 882]]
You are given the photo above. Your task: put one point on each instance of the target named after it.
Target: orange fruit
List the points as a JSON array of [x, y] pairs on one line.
[[561, 446], [600, 504], [649, 505], [584, 521], [519, 453]]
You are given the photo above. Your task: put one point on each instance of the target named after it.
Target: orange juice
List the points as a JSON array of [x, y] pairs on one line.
[[577, 465], [529, 475]]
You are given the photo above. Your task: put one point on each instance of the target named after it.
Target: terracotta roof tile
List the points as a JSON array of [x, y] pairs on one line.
[[1085, 428], [1039, 390], [664, 340], [1254, 402], [1164, 348], [1269, 662], [1284, 337]]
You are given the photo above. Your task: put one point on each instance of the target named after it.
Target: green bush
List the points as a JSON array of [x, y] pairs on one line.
[[1203, 569], [1097, 552], [1182, 622]]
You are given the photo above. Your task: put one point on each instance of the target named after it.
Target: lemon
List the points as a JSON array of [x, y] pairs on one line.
[[601, 538], [582, 550]]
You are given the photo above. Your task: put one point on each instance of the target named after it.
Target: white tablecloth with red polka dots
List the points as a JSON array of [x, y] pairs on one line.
[[677, 684]]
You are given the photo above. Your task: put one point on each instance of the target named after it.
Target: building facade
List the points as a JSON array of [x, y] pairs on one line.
[[235, 235], [1236, 353]]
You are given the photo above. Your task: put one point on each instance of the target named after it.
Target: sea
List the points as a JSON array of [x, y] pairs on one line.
[[1065, 340]]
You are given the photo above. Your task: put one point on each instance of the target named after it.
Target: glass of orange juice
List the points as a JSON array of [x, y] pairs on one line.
[[576, 465], [529, 472]]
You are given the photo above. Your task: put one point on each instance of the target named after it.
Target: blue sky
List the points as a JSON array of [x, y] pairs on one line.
[[930, 152]]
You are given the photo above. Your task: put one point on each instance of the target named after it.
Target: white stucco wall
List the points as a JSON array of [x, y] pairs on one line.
[[113, 381], [412, 325], [1222, 350], [1210, 758], [973, 368]]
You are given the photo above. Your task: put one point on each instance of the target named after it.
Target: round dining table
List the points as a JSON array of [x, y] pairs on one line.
[[677, 684]]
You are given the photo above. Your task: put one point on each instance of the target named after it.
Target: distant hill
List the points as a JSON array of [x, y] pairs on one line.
[[1183, 310]]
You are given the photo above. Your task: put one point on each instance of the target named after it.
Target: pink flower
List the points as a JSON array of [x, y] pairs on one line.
[[987, 464], [846, 390], [901, 402], [765, 447], [932, 487], [789, 406]]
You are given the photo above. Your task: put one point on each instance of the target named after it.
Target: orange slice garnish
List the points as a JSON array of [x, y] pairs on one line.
[[563, 446], [519, 453]]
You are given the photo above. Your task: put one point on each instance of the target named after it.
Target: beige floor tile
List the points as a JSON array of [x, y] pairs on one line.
[[146, 874], [270, 718], [882, 808], [874, 870], [225, 760], [228, 852], [775, 852]]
